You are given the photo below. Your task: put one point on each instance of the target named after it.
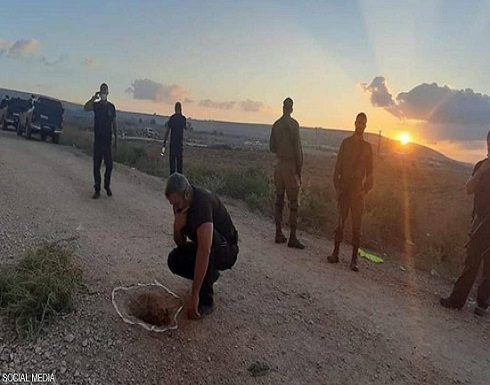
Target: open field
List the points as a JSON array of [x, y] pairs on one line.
[[417, 211]]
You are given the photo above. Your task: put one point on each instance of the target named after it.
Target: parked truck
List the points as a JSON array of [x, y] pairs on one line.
[[16, 111], [45, 118]]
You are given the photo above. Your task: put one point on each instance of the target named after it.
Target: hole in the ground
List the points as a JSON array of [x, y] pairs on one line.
[[150, 307]]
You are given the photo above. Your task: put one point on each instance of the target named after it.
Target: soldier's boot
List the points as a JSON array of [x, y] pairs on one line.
[[353, 261], [293, 241], [280, 237], [334, 257], [449, 304], [480, 311]]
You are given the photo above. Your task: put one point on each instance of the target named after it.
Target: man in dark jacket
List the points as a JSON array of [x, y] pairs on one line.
[[478, 246]]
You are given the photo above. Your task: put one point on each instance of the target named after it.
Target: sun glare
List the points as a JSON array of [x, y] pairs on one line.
[[405, 138]]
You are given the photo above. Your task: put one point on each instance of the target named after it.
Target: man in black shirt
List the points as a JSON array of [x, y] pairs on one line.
[[213, 241], [104, 128], [176, 126], [5, 101], [478, 246], [3, 108]]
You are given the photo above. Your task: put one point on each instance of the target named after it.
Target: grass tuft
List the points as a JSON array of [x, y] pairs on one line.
[[39, 288]]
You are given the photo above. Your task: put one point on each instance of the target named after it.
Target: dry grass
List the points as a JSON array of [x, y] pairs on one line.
[[39, 288]]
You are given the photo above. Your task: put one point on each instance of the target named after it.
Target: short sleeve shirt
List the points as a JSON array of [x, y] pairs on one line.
[[177, 124], [206, 207], [104, 115]]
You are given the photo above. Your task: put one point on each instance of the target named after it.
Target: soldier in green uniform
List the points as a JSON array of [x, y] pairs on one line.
[[353, 178], [285, 142]]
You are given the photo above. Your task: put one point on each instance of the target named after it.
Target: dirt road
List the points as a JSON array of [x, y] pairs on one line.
[[311, 322]]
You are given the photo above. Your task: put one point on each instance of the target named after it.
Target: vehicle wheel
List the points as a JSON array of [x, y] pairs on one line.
[[28, 131], [43, 136], [56, 138]]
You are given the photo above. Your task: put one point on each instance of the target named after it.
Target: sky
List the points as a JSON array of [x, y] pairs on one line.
[[413, 66]]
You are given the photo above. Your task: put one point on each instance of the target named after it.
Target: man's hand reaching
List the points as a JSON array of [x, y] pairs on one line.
[[192, 312]]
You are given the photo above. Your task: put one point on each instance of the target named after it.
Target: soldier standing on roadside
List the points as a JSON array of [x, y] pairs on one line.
[[285, 142], [353, 178], [104, 128]]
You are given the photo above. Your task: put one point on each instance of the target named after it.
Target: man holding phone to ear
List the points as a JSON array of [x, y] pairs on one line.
[[104, 127]]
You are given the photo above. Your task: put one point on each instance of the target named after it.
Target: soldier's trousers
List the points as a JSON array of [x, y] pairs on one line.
[[475, 250], [175, 159], [287, 183], [356, 207], [102, 151]]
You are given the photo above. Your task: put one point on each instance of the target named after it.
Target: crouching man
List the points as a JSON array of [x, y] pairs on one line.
[[201, 217]]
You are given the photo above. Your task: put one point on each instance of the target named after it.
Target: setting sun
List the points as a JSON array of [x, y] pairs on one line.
[[405, 138]]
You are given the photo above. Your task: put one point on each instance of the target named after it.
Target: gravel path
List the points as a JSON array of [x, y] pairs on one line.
[[282, 313]]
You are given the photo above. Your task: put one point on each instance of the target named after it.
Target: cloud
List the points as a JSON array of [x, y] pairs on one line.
[[252, 106], [19, 48], [445, 105], [244, 105], [146, 89], [54, 63], [380, 95], [218, 105], [90, 62], [4, 47], [441, 112]]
